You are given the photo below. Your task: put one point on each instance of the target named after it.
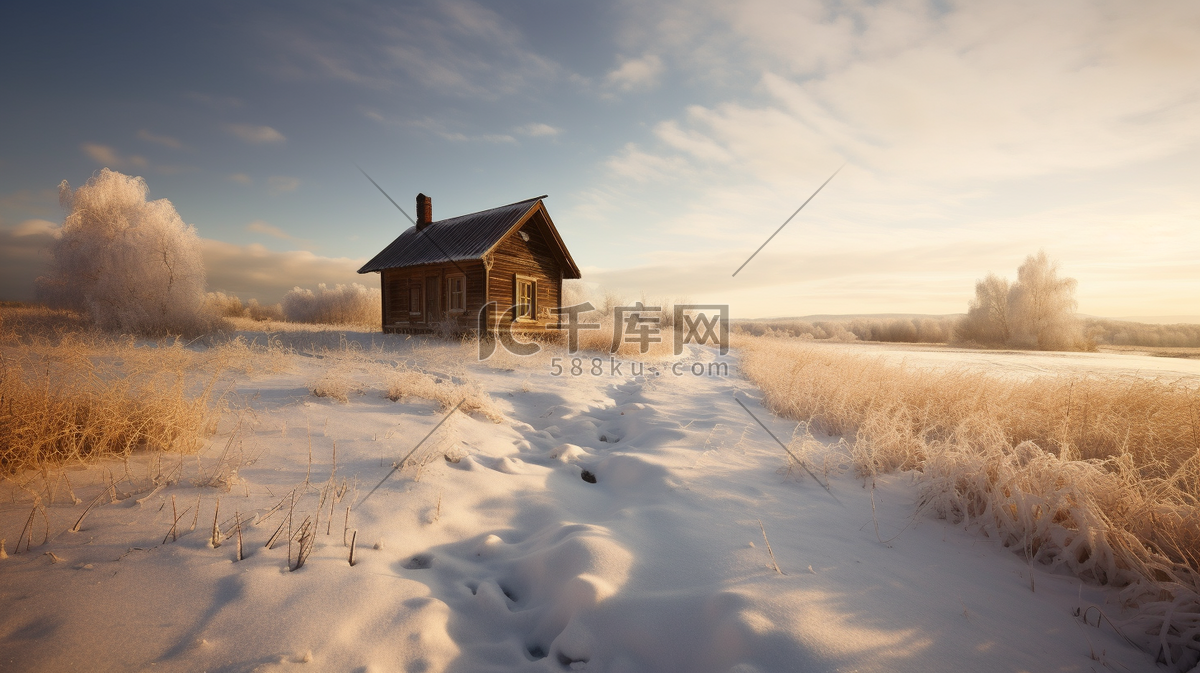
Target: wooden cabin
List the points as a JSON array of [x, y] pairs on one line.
[[438, 275]]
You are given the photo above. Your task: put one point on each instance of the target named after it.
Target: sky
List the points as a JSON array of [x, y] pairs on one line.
[[672, 138]]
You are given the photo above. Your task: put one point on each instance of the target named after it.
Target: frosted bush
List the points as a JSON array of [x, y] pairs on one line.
[[262, 312], [127, 263], [1037, 311], [340, 305], [231, 306], [228, 305]]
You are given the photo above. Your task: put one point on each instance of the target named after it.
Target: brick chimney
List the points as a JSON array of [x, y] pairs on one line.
[[424, 211]]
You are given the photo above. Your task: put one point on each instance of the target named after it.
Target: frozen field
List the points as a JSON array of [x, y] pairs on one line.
[[1032, 363], [610, 522]]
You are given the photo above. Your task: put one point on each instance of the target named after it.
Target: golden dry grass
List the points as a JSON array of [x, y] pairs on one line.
[[70, 393], [81, 398], [1096, 474], [403, 383]]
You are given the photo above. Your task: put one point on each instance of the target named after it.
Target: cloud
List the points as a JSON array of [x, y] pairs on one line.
[[633, 163], [458, 48], [537, 130], [254, 272], [981, 91], [219, 103], [165, 141], [439, 128], [282, 183], [636, 73], [255, 135], [261, 227], [24, 255], [241, 178], [37, 228], [110, 158], [26, 202]]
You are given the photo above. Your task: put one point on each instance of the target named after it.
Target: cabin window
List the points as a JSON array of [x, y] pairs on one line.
[[457, 289], [526, 292], [414, 300]]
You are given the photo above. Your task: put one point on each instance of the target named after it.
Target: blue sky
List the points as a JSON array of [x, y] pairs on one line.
[[672, 138]]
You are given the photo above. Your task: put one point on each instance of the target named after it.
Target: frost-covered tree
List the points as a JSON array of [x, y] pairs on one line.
[[1037, 311], [1043, 306], [987, 320], [128, 263]]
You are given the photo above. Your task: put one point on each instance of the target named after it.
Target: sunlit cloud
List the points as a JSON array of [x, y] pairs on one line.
[[254, 272], [280, 184], [36, 228], [27, 202], [241, 179], [268, 229], [165, 141], [636, 73], [260, 227], [110, 158], [220, 103], [255, 135], [985, 132], [25, 255], [537, 130]]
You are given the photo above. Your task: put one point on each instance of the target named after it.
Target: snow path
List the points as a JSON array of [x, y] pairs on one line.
[[509, 560]]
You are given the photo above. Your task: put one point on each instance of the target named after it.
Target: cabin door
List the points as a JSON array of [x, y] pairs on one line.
[[433, 311]]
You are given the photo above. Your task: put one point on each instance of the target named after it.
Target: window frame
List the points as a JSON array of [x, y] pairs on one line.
[[415, 288], [518, 315], [462, 293]]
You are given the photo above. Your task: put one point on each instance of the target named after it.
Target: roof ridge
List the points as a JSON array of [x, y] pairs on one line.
[[485, 210]]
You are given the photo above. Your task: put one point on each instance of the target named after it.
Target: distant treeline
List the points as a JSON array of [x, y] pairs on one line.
[[1122, 333], [943, 329], [938, 329]]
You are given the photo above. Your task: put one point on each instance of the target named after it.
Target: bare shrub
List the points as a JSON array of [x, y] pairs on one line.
[[128, 263], [352, 304], [1096, 474]]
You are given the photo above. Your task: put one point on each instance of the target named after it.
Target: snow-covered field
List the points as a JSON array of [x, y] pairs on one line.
[[1031, 363], [611, 522]]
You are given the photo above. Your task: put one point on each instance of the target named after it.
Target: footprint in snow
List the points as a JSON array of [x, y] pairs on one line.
[[419, 562]]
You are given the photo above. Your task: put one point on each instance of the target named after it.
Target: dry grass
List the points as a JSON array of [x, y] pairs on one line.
[[58, 405], [70, 393], [1098, 475], [404, 383]]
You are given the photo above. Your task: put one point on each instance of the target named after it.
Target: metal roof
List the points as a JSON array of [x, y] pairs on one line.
[[465, 237]]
